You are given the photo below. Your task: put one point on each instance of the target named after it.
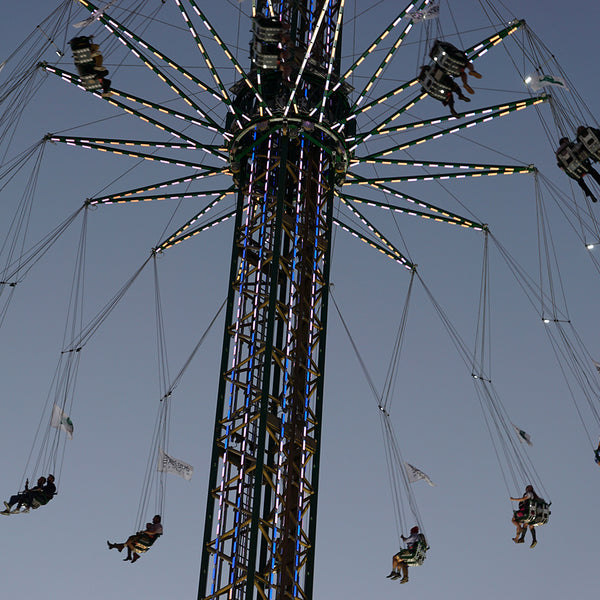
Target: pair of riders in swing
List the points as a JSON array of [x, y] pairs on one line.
[[45, 490], [525, 517], [437, 78], [139, 542], [39, 495]]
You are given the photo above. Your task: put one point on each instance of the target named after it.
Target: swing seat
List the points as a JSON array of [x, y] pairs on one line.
[[590, 140], [533, 512], [85, 63], [266, 54], [449, 58], [265, 46], [573, 158], [267, 30], [415, 556], [436, 82], [39, 501], [143, 541]]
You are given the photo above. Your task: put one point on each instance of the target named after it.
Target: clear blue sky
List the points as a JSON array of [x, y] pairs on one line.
[[60, 550]]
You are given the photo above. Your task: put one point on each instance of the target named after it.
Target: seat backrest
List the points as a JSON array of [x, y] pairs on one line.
[[418, 553], [590, 141], [450, 59], [572, 158], [435, 82], [533, 512]]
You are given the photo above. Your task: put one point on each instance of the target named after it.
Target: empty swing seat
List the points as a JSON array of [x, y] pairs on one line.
[[265, 47], [449, 58], [533, 512]]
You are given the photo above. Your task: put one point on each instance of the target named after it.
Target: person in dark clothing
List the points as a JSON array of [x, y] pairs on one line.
[[573, 159], [24, 497], [454, 62], [521, 513], [449, 100], [439, 85], [140, 541], [42, 496]]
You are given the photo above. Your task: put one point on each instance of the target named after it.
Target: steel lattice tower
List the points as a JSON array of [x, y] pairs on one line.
[[261, 514]]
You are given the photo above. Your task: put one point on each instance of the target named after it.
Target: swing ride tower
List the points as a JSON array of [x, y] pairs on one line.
[[290, 143], [287, 150]]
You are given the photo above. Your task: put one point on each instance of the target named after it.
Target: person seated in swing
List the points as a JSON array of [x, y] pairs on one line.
[[454, 62], [438, 84], [573, 159], [42, 496], [23, 497], [140, 541], [399, 566], [521, 514]]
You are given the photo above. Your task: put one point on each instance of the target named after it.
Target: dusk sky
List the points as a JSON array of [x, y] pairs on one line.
[[59, 551]]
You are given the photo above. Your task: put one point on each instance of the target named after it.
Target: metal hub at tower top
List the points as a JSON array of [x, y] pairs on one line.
[[267, 101]]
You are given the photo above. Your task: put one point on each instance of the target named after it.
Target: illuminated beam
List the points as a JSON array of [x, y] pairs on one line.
[[395, 92], [150, 198], [376, 130], [209, 172], [197, 216], [217, 221], [158, 107], [230, 56], [482, 47], [473, 53], [388, 57], [311, 43], [332, 57], [378, 40], [134, 143], [396, 257], [124, 35], [434, 164], [413, 200], [441, 176], [450, 220], [73, 141], [225, 96], [437, 120], [504, 110], [382, 239], [74, 80]]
